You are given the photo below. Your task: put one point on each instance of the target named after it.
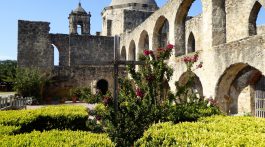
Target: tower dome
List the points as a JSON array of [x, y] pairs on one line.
[[122, 2], [80, 9]]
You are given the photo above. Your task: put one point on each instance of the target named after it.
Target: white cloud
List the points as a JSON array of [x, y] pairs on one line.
[[6, 58]]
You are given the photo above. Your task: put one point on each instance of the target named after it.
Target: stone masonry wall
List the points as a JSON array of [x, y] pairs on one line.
[[34, 48], [194, 25], [90, 49], [261, 29], [133, 18]]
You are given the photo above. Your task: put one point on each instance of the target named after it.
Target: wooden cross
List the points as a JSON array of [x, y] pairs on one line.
[[116, 64]]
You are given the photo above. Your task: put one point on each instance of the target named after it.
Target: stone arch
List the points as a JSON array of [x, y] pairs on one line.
[[56, 55], [161, 32], [143, 42], [123, 54], [196, 84], [191, 43], [217, 20], [235, 91], [252, 26], [102, 86], [132, 51]]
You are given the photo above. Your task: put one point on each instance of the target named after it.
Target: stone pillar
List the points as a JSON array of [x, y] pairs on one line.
[[214, 23]]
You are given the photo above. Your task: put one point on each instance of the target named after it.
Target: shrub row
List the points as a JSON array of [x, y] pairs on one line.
[[56, 138], [8, 130], [47, 118], [192, 112], [212, 131]]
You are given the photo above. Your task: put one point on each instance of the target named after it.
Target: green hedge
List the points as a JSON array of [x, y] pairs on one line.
[[212, 131], [56, 138], [47, 118], [192, 112], [8, 130]]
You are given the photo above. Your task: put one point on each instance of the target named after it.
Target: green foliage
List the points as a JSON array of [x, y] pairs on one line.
[[8, 70], [8, 130], [31, 82], [57, 138], [8, 73], [192, 111], [47, 118], [85, 94], [211, 131]]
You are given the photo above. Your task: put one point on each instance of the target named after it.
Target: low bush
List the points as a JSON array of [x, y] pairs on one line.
[[47, 118], [212, 131], [56, 138], [192, 111], [8, 130]]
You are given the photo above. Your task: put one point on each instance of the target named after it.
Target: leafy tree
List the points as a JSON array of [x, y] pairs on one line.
[[8, 73], [30, 82]]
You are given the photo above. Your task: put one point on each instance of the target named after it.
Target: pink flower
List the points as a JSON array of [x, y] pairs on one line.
[[195, 58], [147, 52], [170, 46], [160, 49], [200, 65], [139, 93]]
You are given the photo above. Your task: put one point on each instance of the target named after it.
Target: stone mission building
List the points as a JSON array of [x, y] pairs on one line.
[[231, 46]]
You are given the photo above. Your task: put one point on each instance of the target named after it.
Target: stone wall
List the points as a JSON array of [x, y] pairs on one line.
[[66, 78], [90, 49], [133, 18], [34, 48], [261, 29], [193, 25]]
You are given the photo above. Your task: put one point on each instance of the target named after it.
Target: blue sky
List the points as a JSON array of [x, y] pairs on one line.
[[56, 12]]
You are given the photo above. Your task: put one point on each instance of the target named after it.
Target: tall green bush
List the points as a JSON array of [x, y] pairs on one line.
[[31, 82]]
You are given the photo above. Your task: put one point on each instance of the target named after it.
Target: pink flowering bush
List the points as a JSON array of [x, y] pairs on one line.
[[145, 99]]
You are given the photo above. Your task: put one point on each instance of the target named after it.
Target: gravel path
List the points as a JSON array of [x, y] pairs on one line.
[[89, 106]]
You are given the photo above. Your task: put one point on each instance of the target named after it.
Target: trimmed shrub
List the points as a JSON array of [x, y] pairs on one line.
[[192, 111], [8, 130], [212, 131], [56, 138], [47, 118]]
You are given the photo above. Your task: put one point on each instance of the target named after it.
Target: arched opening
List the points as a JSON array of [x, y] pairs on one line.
[[79, 29], [193, 83], [239, 88], [123, 53], [132, 53], [161, 33], [253, 18], [102, 86], [191, 43], [143, 42], [56, 56], [261, 17], [195, 9], [180, 22]]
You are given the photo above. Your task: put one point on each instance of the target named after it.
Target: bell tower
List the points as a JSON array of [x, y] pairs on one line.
[[79, 21], [124, 15]]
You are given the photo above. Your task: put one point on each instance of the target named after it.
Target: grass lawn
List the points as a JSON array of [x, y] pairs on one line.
[[6, 93]]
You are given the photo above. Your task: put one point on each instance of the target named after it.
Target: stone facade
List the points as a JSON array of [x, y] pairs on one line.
[[230, 44]]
